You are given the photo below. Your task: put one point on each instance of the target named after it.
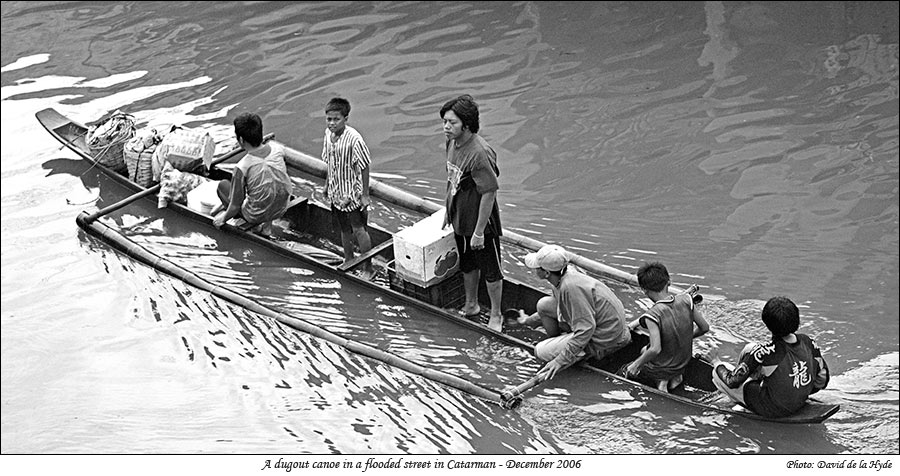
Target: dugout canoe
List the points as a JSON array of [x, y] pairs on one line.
[[306, 218]]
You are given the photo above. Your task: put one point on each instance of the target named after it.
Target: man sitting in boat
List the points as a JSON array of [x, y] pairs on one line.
[[583, 317], [260, 188], [670, 323], [775, 378]]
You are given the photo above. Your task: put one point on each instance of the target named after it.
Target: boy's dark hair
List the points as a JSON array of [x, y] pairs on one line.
[[653, 276], [781, 316], [249, 127], [340, 105], [466, 109]]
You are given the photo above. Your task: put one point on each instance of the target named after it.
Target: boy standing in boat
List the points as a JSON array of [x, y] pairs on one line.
[[260, 188], [775, 378], [583, 317], [347, 180], [471, 205], [670, 323]]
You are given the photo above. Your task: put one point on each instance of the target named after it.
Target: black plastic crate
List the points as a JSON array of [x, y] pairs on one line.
[[449, 293]]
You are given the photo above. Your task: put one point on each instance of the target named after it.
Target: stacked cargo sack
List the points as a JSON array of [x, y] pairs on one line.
[[180, 163], [107, 139], [175, 185], [139, 156], [187, 150]]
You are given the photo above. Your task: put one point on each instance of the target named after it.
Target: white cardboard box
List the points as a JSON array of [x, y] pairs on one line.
[[425, 254]]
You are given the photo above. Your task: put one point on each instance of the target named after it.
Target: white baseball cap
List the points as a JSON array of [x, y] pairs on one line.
[[549, 257]]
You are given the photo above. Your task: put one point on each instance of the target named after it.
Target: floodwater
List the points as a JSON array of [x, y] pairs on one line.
[[751, 147]]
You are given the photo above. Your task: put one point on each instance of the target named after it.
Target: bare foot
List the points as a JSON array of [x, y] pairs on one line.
[[675, 382], [264, 229], [470, 311], [663, 386], [496, 323], [367, 273]]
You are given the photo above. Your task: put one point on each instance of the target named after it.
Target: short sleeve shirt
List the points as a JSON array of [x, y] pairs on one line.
[[471, 172], [790, 373], [346, 159]]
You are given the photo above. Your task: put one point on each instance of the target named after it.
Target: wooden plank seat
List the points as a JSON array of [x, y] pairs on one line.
[[296, 201], [367, 255]]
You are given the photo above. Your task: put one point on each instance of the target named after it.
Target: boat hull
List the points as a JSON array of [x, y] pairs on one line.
[[315, 220]]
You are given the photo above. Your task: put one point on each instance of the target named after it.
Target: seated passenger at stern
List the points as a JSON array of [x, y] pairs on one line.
[[260, 188], [775, 378], [670, 323], [583, 317]]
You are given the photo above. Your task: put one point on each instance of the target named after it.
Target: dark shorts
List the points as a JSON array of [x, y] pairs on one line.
[[486, 259], [647, 376], [348, 221]]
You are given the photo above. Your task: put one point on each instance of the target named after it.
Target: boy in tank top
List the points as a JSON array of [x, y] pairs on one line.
[[670, 323]]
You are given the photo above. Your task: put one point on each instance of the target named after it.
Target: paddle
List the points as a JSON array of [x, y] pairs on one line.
[[694, 291], [154, 189], [512, 397]]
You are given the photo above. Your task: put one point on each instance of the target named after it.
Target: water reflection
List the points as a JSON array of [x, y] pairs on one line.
[[744, 145], [329, 387]]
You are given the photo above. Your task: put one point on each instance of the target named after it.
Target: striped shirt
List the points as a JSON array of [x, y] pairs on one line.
[[346, 160]]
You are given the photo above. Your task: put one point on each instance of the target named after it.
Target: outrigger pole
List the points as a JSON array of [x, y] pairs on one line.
[[141, 254], [396, 196]]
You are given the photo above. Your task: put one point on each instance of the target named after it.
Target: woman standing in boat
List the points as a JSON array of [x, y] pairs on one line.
[[471, 205], [260, 187]]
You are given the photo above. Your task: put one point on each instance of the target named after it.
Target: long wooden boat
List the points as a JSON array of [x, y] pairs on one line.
[[305, 218]]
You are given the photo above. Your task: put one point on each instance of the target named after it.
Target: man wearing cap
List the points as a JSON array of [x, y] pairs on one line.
[[583, 317]]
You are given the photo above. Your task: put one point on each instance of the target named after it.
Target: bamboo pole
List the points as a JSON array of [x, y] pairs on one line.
[[141, 254], [396, 196]]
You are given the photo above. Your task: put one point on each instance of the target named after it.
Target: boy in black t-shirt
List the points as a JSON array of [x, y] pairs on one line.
[[775, 378]]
